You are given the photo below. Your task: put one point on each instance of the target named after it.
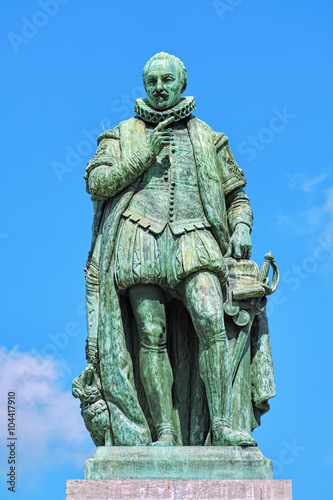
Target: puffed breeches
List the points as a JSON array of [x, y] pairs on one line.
[[165, 260]]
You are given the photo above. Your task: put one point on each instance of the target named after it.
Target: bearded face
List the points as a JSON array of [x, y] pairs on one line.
[[163, 84]]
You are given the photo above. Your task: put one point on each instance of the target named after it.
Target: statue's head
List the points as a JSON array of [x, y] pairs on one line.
[[164, 78]]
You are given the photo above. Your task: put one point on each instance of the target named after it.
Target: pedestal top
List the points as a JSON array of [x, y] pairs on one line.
[[178, 462]]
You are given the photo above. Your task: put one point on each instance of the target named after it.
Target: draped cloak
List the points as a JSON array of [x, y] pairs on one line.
[[111, 322]]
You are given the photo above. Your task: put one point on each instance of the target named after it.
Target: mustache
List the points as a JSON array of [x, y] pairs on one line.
[[160, 93]]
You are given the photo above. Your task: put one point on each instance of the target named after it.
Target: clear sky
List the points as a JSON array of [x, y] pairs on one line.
[[261, 72]]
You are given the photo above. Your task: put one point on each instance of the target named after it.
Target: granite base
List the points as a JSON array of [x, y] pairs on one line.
[[179, 489]]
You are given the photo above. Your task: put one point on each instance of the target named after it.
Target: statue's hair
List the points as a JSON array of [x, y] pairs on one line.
[[165, 55]]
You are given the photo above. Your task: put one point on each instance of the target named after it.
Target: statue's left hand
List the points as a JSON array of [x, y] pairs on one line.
[[240, 243]]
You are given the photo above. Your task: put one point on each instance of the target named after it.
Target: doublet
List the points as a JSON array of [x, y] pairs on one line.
[[168, 193]]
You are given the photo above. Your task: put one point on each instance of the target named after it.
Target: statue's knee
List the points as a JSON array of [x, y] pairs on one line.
[[209, 312], [203, 294], [209, 325], [153, 337]]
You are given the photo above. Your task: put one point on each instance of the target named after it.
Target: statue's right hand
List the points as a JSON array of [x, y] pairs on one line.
[[160, 137]]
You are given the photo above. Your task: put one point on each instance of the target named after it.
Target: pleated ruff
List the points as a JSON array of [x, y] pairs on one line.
[[164, 259]]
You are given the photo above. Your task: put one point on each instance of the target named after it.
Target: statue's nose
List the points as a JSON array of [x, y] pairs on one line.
[[159, 84]]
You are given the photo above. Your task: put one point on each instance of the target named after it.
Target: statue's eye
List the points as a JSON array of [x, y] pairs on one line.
[[168, 79]]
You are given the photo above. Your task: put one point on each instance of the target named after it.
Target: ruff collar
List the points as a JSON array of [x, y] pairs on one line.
[[182, 110]]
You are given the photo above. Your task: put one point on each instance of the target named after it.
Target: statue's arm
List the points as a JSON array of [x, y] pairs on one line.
[[239, 212], [108, 174]]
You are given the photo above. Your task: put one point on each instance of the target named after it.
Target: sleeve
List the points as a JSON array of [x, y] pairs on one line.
[[237, 203], [107, 174]]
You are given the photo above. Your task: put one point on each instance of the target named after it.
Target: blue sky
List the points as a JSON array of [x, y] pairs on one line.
[[261, 72]]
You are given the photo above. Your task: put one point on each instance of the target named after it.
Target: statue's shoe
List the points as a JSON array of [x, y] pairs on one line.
[[224, 436], [165, 440]]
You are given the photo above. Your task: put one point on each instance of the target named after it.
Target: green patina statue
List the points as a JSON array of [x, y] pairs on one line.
[[178, 346]]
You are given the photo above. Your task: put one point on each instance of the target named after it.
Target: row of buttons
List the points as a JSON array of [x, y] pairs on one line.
[[166, 165], [173, 184], [172, 201]]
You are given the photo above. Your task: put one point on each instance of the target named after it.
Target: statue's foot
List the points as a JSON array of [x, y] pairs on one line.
[[167, 439], [166, 435], [224, 436]]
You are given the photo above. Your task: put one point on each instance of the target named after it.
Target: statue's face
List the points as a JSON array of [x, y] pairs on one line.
[[163, 84]]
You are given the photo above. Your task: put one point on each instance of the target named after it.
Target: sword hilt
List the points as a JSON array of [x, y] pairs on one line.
[[263, 275]]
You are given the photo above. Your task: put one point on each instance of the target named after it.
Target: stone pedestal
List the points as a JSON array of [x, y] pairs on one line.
[[179, 489], [178, 473]]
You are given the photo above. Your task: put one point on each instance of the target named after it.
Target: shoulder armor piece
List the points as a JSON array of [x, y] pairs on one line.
[[109, 134], [220, 141]]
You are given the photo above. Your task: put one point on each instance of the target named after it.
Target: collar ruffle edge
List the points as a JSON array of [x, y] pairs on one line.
[[182, 110]]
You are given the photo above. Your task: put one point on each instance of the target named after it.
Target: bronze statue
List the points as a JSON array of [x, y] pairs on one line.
[[178, 347]]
